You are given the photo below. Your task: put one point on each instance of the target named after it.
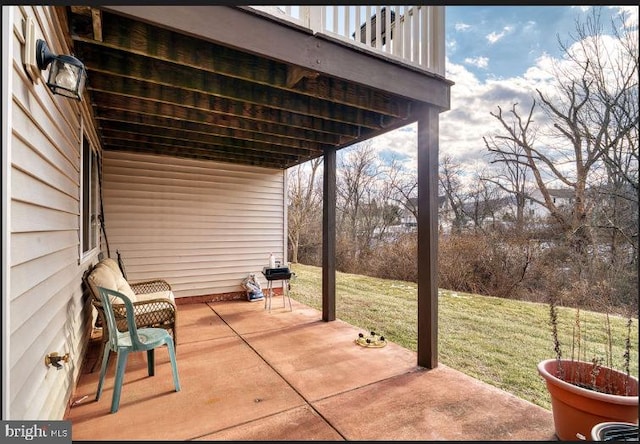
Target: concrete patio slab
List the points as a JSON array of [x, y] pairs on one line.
[[224, 383], [198, 322], [250, 374], [250, 317], [321, 359], [433, 405], [299, 424]]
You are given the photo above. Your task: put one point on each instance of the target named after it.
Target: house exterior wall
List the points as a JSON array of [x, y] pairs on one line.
[[562, 198], [202, 226], [43, 303]]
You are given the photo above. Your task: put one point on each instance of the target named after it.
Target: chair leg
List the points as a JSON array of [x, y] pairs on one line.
[[174, 366], [151, 362], [117, 386], [103, 370]]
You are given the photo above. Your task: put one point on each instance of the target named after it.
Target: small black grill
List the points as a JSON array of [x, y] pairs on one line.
[[277, 274]]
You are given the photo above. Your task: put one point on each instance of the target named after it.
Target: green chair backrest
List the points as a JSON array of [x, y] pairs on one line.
[[114, 334]]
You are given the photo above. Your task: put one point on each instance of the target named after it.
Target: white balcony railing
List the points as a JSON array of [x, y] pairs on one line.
[[409, 34]]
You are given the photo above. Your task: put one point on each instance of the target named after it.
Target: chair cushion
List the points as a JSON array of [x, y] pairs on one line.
[[156, 295], [113, 265], [103, 276]]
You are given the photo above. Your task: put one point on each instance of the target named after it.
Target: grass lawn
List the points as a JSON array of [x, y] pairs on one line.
[[498, 341]]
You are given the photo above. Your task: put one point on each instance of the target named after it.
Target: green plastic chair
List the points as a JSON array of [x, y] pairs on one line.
[[133, 340]]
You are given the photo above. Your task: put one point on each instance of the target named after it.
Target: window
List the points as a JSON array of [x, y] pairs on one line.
[[89, 197]]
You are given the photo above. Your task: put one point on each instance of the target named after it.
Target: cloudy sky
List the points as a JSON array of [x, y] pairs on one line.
[[496, 55]]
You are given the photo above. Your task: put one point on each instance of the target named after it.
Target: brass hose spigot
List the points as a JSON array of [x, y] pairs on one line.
[[54, 359]]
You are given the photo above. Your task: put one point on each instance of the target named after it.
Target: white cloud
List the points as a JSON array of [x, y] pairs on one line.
[[494, 37], [469, 119], [401, 141], [461, 129], [478, 62], [462, 27], [541, 72]]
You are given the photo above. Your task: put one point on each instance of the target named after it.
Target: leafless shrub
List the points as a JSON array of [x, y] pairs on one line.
[[397, 259]]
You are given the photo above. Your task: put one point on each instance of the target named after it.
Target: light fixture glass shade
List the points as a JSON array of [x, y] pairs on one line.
[[67, 77], [66, 74]]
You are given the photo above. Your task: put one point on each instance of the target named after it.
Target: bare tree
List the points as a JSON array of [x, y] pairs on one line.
[[305, 201], [484, 202], [366, 190], [452, 188], [614, 75], [612, 72], [512, 176], [585, 122], [357, 173], [383, 210], [404, 188]]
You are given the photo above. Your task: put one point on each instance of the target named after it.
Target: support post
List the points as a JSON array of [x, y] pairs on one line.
[[329, 236], [428, 238]]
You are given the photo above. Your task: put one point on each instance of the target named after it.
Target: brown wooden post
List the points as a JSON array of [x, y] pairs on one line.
[[329, 236], [428, 238]]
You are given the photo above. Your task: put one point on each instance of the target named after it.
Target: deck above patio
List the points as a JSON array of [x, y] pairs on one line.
[[251, 374], [409, 34]]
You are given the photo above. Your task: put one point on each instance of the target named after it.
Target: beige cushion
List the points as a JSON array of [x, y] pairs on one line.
[[112, 264], [157, 295], [103, 276]]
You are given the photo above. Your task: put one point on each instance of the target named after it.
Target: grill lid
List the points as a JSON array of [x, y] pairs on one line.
[[276, 273]]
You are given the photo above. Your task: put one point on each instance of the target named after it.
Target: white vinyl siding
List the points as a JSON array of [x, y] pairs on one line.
[[43, 293], [203, 226]]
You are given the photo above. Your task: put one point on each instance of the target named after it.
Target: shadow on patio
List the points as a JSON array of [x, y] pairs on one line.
[[250, 374]]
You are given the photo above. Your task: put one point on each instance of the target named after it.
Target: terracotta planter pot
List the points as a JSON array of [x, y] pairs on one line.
[[577, 410]]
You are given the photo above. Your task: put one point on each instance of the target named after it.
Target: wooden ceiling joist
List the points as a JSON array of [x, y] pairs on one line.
[[153, 89]]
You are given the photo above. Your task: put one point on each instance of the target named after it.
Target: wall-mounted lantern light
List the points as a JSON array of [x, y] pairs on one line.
[[66, 74]]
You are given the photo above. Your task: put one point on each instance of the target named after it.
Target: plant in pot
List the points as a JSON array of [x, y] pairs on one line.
[[586, 392]]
